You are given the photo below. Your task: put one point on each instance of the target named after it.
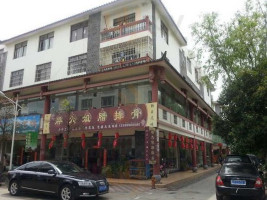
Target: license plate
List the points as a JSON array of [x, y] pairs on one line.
[[102, 188], [238, 182]]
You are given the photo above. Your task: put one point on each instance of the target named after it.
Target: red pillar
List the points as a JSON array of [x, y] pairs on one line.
[[205, 166], [194, 156], [156, 167], [211, 155], [43, 136]]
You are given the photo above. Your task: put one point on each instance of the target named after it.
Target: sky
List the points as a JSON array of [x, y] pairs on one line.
[[20, 16]]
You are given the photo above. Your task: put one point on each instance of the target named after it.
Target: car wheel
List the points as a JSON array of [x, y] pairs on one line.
[[14, 188], [219, 197], [66, 193]]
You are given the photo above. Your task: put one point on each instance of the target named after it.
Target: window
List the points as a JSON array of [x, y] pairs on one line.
[[183, 123], [175, 119], [164, 32], [77, 64], [165, 114], [107, 101], [86, 104], [45, 168], [208, 91], [196, 75], [127, 54], [79, 31], [20, 49], [124, 19], [43, 72], [16, 78], [182, 59], [32, 167], [188, 64], [46, 41]]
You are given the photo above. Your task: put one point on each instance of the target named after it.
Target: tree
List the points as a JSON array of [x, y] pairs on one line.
[[227, 48], [6, 125], [244, 112]]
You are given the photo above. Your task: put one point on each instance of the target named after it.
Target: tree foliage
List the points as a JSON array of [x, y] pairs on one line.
[[244, 112], [237, 51], [226, 48]]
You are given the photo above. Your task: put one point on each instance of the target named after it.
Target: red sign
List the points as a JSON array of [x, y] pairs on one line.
[[99, 119], [151, 150]]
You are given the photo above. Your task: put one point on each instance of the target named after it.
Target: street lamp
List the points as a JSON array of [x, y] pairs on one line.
[[16, 105]]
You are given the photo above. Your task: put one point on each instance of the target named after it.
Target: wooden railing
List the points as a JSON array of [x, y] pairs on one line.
[[127, 29], [126, 63]]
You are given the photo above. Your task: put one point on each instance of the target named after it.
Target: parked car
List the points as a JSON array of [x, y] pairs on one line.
[[237, 159], [240, 180], [61, 178]]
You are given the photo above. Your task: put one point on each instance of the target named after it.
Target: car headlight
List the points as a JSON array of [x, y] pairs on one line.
[[85, 183]]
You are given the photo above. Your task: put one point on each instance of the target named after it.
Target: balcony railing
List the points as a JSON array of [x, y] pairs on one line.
[[127, 63], [127, 29]]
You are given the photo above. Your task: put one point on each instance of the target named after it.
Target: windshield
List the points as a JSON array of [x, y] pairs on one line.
[[66, 168], [238, 169]]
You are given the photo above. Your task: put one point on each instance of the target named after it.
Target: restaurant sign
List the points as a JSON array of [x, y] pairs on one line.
[[141, 115]]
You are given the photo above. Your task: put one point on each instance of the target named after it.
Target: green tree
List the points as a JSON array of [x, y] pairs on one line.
[[243, 120], [226, 48]]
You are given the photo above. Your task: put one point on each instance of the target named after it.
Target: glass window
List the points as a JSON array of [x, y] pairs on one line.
[[79, 31], [45, 167], [165, 114], [107, 101], [175, 119], [188, 64], [164, 32], [127, 54], [46, 41], [33, 166], [43, 72], [86, 104], [32, 107], [77, 64], [20, 49], [16, 78], [124, 19]]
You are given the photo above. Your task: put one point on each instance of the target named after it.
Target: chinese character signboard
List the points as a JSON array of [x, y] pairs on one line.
[[31, 141], [151, 146], [140, 115]]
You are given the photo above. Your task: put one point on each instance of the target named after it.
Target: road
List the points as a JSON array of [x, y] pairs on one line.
[[201, 190]]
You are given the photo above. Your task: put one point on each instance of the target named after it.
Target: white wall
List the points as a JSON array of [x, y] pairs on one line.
[[60, 52]]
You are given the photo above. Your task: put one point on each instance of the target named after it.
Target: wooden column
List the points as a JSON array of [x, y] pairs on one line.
[[205, 166], [211, 156], [194, 156], [43, 136]]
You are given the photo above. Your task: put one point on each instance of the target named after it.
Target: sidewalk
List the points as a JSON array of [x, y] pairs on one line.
[[179, 179]]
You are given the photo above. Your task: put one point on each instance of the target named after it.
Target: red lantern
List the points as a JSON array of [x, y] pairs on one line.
[[175, 140], [65, 144], [196, 144], [53, 139], [99, 142], [170, 140], [191, 144], [115, 142], [83, 141]]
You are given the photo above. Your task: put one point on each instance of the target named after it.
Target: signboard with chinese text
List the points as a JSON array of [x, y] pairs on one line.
[[151, 146], [31, 141], [140, 115]]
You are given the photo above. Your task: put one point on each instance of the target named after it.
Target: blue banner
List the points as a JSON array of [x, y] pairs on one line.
[[24, 124]]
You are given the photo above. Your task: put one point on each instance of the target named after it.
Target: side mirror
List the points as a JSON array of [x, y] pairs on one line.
[[52, 171]]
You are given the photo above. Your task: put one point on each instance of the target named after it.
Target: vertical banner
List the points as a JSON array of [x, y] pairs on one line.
[[150, 146], [152, 115], [46, 128], [31, 141], [105, 158]]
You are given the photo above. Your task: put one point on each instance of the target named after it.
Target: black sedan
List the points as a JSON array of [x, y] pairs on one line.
[[239, 180], [64, 179]]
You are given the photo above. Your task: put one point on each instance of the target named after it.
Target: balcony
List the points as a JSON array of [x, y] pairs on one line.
[[126, 29], [126, 54]]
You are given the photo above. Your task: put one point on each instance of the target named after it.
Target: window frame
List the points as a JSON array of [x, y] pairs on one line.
[[164, 32], [83, 27], [22, 46], [89, 104], [16, 79], [44, 66], [79, 64], [46, 37], [108, 105]]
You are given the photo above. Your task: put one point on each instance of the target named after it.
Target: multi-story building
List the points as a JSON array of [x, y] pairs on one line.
[[132, 91]]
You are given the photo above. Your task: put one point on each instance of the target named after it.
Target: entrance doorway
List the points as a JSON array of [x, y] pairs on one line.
[[95, 160]]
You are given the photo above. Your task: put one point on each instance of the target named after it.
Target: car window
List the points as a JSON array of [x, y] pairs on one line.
[[68, 167], [45, 167], [243, 159], [238, 169], [22, 167], [32, 166]]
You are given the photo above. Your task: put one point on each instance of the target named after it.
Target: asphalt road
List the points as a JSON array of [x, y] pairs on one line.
[[201, 190]]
